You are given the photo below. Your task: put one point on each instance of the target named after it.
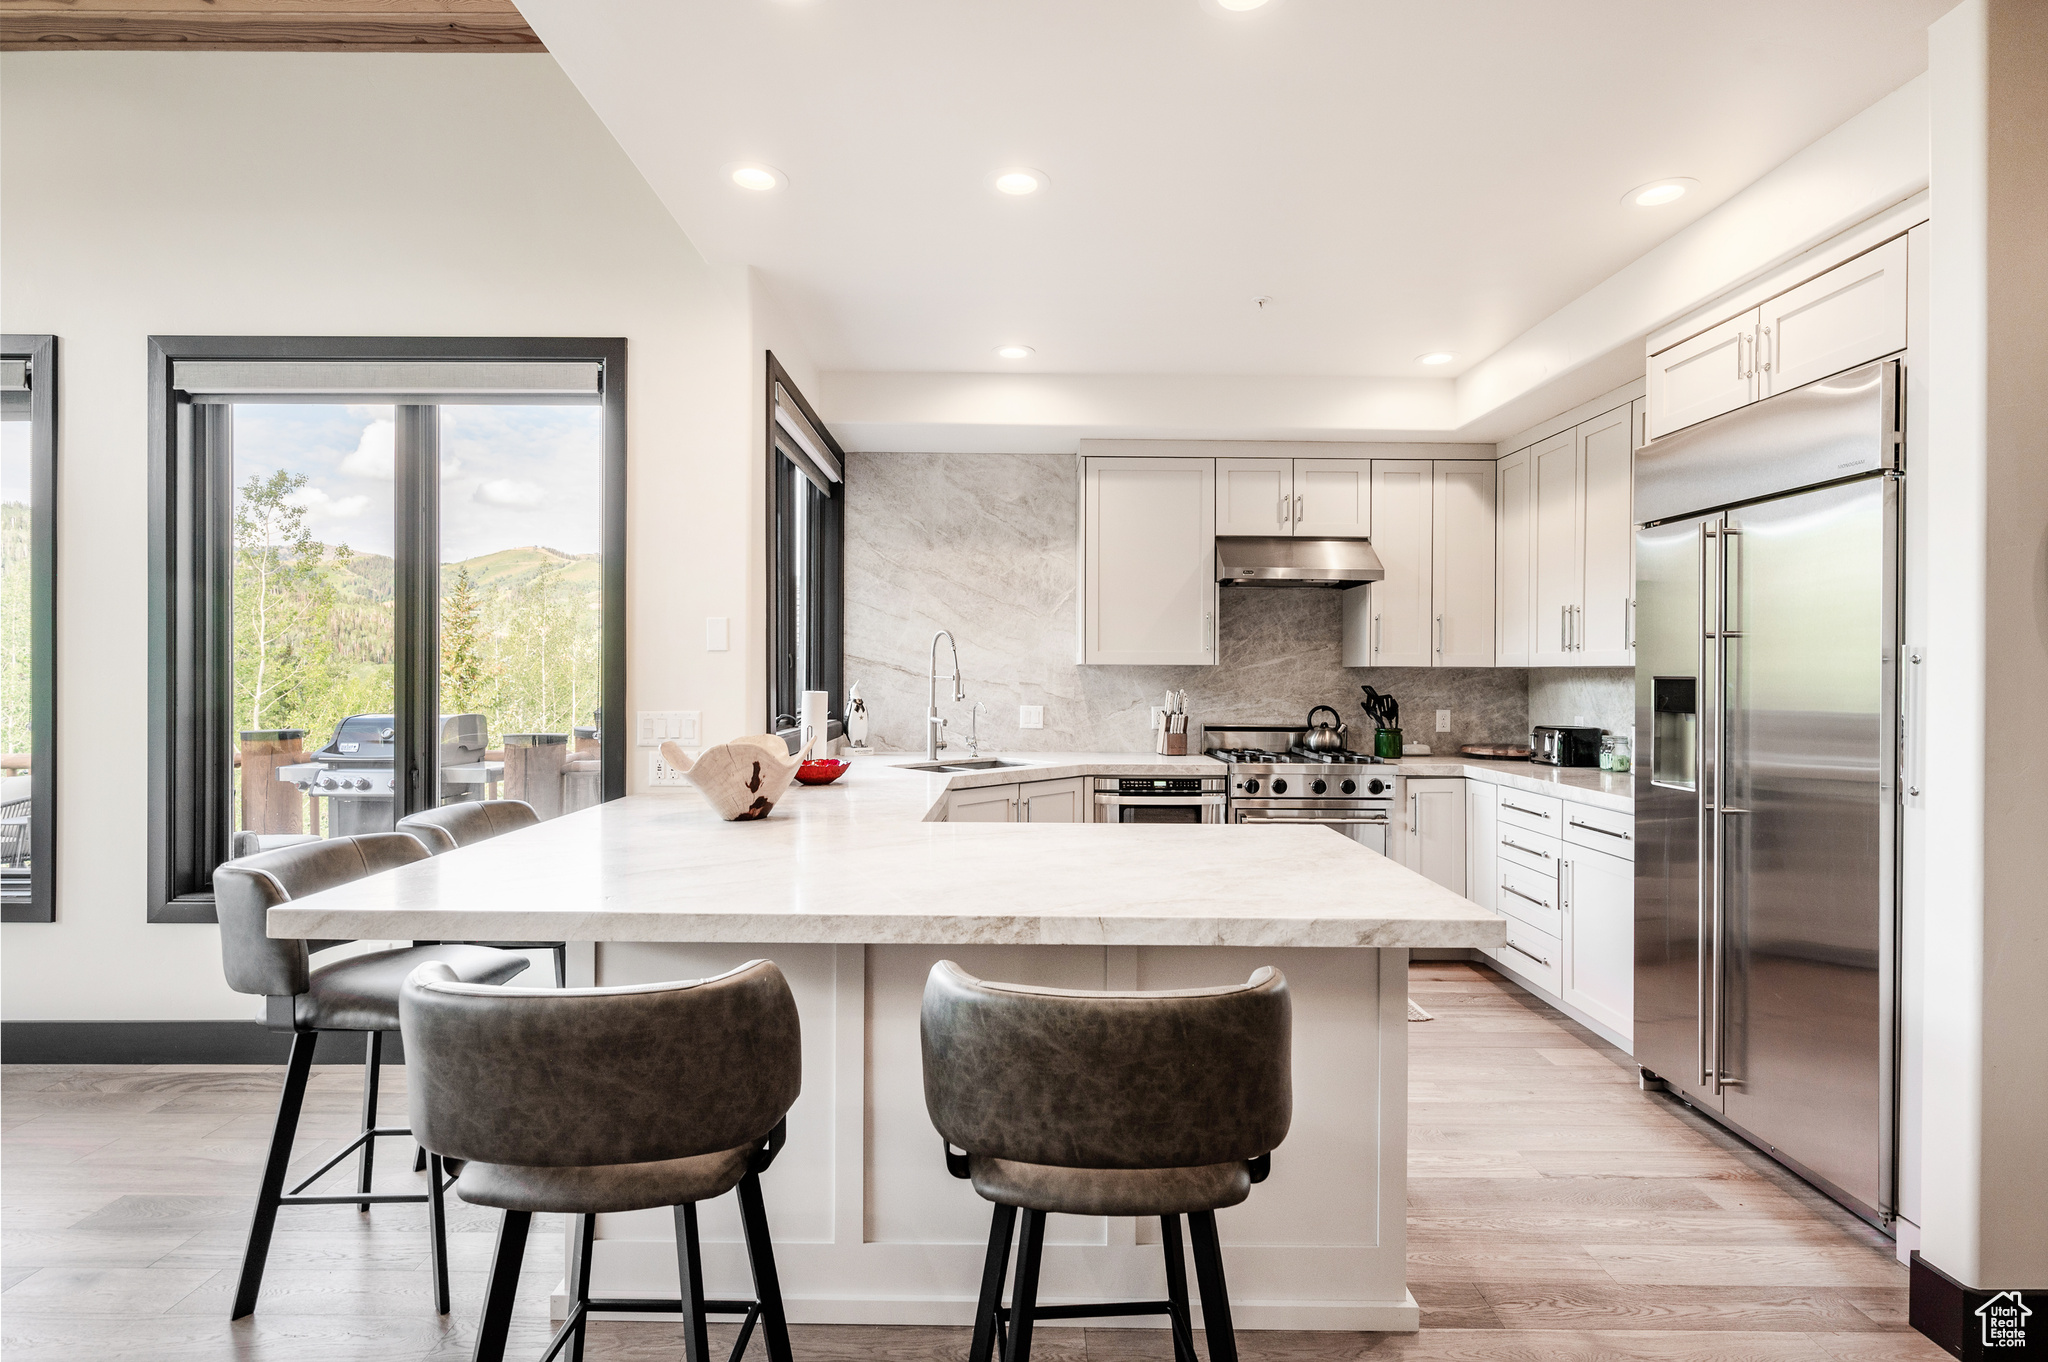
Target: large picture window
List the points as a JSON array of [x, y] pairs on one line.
[[28, 628], [388, 575], [806, 560]]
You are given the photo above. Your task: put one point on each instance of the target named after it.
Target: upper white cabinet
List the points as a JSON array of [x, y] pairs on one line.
[[1332, 497], [1854, 313], [1148, 561], [1311, 497], [1566, 576], [1433, 529], [1254, 496], [1461, 563]]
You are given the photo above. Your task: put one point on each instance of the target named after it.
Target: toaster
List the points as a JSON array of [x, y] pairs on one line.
[[1566, 746]]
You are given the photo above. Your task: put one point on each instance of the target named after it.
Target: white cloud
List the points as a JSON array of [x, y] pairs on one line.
[[372, 458], [506, 492], [317, 500]]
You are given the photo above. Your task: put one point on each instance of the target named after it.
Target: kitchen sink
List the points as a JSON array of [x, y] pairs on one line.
[[972, 764]]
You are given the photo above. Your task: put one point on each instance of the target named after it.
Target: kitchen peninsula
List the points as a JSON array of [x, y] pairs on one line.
[[855, 891]]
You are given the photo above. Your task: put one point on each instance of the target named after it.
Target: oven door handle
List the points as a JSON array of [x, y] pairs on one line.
[[1379, 822]]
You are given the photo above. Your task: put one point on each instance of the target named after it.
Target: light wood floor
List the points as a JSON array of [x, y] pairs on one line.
[[1557, 1214]]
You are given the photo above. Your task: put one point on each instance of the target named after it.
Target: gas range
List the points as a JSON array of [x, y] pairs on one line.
[[1303, 774], [1271, 780]]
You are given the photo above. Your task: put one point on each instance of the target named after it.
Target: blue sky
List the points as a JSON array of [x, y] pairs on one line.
[[510, 476]]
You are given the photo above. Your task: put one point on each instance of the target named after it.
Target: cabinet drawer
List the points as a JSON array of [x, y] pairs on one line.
[[1530, 897], [1534, 955], [1531, 851], [1601, 830], [1537, 813]]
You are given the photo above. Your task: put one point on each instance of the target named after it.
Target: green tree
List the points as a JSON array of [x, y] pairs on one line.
[[464, 673], [286, 673]]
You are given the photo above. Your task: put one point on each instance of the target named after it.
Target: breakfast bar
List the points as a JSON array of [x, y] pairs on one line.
[[855, 891]]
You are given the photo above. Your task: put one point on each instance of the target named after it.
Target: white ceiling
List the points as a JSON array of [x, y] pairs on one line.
[[1399, 177]]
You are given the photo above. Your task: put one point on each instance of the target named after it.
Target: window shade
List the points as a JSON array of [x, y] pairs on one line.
[[803, 445], [554, 383], [13, 375]]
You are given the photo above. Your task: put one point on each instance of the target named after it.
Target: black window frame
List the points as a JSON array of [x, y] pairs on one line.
[[826, 561], [40, 353], [191, 590]]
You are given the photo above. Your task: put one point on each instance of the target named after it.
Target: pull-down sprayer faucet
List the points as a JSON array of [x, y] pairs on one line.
[[934, 726]]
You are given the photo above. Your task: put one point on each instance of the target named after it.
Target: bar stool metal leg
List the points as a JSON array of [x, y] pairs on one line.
[[373, 1061], [690, 1269], [1177, 1289], [503, 1288], [578, 1277], [437, 1233], [270, 1191], [761, 1259], [1024, 1295], [561, 949], [995, 1267], [1215, 1294]]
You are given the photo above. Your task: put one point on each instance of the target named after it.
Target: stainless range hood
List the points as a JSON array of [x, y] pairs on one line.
[[1259, 560]]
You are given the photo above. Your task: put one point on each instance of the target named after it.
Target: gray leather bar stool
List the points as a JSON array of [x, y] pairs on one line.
[[359, 993], [589, 1101], [478, 820], [1092, 1103]]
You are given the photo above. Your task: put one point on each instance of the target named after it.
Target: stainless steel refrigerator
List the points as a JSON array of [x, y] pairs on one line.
[[1768, 571]]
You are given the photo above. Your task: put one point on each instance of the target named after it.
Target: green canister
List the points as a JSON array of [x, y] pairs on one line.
[[1386, 742]]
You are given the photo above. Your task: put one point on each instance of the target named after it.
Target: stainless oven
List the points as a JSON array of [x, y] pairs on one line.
[[1366, 821], [1144, 799]]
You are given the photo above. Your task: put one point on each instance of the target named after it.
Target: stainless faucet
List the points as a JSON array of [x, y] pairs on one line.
[[974, 729], [934, 726]]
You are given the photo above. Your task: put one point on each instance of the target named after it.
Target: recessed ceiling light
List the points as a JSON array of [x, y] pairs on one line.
[[1436, 357], [758, 178], [1658, 192], [1019, 181], [1015, 351]]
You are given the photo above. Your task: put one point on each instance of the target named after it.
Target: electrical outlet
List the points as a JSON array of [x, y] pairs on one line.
[[717, 633], [1578, 721], [660, 773], [653, 727], [1158, 718], [1443, 721], [1031, 716]]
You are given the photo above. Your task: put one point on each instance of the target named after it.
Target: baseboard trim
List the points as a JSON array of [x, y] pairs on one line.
[[1972, 1322], [172, 1042]]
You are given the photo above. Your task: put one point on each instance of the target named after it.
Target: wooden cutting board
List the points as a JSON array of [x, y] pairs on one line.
[[1501, 751]]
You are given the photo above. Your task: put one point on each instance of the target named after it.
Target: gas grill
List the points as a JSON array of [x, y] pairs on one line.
[[356, 773]]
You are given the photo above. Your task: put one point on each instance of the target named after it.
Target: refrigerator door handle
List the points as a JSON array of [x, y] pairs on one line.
[[1706, 968]]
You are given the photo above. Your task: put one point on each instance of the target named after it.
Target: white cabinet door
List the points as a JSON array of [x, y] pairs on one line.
[[1401, 630], [1600, 636], [1482, 825], [1515, 498], [1332, 497], [1053, 801], [1148, 589], [986, 804], [1854, 313], [1696, 379], [1599, 894], [1461, 566], [1556, 556], [1435, 843], [1254, 496]]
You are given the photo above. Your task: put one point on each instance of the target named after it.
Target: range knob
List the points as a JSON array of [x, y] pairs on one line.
[[363, 783], [1376, 786], [1318, 786], [327, 782], [1279, 785], [303, 784], [1251, 786], [1348, 787]]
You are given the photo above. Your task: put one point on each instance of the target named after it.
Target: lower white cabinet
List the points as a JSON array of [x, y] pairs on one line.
[[1482, 810], [1433, 822], [1053, 801], [985, 804], [1598, 891]]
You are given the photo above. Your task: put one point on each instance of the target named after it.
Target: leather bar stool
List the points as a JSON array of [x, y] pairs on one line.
[[359, 993], [1091, 1103], [589, 1101], [478, 820]]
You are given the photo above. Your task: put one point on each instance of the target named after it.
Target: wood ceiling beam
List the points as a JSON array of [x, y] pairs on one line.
[[264, 26]]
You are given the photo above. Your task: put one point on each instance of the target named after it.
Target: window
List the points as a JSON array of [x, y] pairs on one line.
[[388, 575], [806, 560], [28, 627]]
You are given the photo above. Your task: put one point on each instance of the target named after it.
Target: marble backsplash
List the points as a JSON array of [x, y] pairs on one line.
[[984, 545], [1604, 697]]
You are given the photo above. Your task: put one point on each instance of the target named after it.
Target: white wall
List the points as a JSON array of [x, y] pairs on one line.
[[290, 194]]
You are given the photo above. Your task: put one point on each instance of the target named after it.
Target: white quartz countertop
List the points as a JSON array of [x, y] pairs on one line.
[[861, 861]]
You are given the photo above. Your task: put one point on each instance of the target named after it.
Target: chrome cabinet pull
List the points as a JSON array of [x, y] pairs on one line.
[[1439, 635], [1297, 509], [1564, 893], [1284, 503], [1534, 813], [1509, 888], [1375, 635], [1740, 372], [1763, 345], [1531, 954], [1562, 646], [1527, 851], [1209, 632], [1604, 832]]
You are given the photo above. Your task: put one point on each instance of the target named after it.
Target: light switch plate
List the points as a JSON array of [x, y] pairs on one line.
[[717, 634], [1031, 716], [660, 773], [1443, 721], [653, 727]]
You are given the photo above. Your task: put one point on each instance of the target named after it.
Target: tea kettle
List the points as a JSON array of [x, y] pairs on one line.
[[1324, 737]]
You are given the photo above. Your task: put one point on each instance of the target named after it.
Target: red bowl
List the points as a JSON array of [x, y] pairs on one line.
[[822, 771]]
